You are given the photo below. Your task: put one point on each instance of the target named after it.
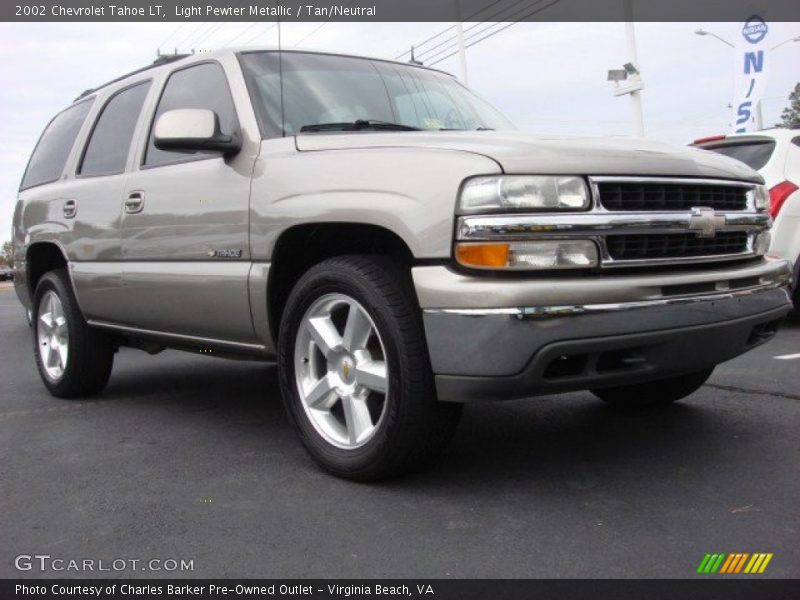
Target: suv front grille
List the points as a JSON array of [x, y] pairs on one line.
[[665, 196], [644, 221], [675, 245]]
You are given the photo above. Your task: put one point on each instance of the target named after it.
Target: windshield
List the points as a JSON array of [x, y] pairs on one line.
[[754, 154], [321, 89]]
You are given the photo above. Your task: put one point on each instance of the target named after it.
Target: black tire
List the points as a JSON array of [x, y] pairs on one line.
[[415, 427], [90, 352], [653, 394]]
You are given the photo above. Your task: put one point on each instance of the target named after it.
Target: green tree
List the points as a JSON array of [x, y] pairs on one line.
[[791, 114], [5, 254]]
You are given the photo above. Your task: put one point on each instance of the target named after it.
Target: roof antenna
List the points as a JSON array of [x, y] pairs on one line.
[[280, 67], [413, 60]]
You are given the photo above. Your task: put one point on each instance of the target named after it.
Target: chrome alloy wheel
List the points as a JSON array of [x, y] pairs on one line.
[[52, 335], [341, 371]]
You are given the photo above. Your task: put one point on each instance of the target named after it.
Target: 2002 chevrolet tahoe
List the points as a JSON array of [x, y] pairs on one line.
[[389, 239]]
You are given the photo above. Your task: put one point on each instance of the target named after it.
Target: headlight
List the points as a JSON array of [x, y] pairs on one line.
[[761, 196], [527, 256], [524, 193]]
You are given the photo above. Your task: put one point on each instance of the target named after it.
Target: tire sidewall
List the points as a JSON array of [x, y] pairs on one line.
[[51, 282], [312, 286]]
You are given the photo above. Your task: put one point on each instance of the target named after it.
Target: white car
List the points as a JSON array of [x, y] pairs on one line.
[[775, 154]]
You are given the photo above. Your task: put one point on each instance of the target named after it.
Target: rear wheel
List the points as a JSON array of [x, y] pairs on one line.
[[654, 393], [354, 370], [73, 359]]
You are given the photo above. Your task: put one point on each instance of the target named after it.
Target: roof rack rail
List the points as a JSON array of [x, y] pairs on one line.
[[161, 59]]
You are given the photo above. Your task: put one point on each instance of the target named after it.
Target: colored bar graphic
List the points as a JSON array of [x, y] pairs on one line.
[[765, 563], [740, 564], [734, 563], [703, 563], [754, 562], [730, 564], [718, 564], [727, 564]]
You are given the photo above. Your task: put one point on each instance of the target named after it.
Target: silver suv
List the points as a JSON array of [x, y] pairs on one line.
[[389, 239]]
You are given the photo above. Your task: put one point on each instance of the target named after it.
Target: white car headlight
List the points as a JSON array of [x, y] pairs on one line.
[[524, 193]]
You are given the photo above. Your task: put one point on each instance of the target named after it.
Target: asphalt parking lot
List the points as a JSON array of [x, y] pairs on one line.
[[190, 457]]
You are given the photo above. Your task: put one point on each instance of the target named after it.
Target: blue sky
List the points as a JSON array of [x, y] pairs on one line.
[[549, 78]]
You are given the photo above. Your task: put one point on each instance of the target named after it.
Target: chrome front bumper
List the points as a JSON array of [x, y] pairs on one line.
[[504, 338]]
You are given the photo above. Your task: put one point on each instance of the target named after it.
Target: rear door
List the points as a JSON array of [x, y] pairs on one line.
[[185, 240], [96, 194]]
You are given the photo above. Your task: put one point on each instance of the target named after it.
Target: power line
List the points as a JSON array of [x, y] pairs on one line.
[[259, 34], [213, 29], [489, 25], [199, 34], [241, 33], [191, 35], [303, 39], [209, 33], [174, 31], [402, 54], [538, 10], [445, 30]]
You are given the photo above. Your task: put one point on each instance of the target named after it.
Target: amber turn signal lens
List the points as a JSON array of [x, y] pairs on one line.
[[486, 256]]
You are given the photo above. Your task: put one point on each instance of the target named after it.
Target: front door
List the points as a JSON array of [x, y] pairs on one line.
[[185, 225]]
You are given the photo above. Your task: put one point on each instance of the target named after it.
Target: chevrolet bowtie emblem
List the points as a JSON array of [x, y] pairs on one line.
[[706, 222]]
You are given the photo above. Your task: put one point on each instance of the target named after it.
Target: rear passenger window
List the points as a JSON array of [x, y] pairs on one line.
[[201, 86], [51, 152], [107, 150]]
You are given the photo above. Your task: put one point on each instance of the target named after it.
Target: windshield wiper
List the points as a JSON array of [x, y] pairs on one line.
[[358, 125]]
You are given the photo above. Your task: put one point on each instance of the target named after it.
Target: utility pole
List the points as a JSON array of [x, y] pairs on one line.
[[636, 96]]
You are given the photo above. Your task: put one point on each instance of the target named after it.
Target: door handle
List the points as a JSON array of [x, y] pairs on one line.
[[70, 208], [134, 203]]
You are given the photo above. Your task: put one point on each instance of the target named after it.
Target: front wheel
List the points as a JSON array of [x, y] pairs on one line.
[[74, 359], [654, 393], [354, 370]]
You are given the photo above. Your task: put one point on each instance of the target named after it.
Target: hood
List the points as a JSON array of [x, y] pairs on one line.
[[523, 153]]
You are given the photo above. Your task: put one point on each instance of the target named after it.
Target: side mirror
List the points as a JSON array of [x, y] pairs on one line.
[[194, 129]]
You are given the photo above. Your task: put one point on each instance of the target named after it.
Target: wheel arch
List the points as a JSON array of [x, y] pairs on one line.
[[300, 247], [40, 258]]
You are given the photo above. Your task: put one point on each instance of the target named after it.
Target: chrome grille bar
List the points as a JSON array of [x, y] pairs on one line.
[[541, 226]]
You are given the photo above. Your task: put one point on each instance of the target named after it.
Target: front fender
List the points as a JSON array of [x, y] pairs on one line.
[[409, 191]]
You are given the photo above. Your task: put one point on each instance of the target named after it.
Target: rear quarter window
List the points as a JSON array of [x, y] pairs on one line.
[[50, 155]]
